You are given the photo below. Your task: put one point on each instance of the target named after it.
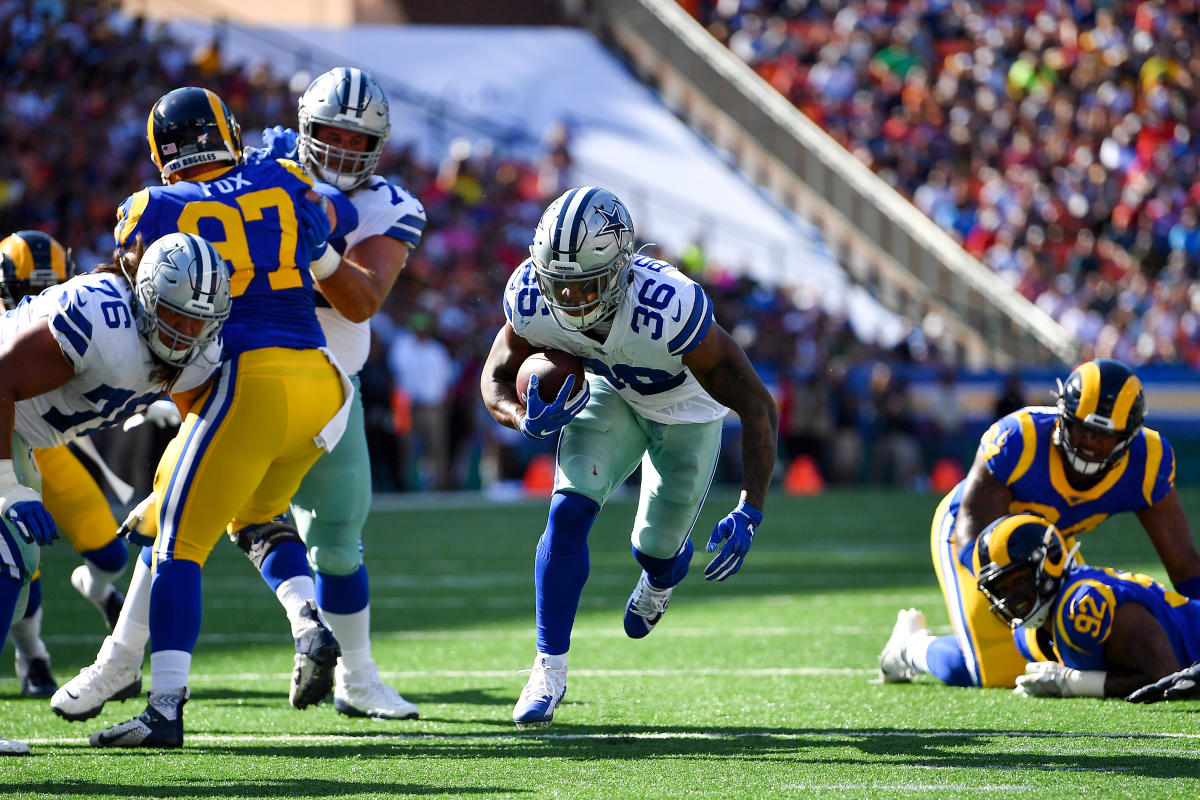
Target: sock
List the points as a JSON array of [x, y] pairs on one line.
[[175, 606], [343, 594], [561, 569], [353, 632], [169, 671], [666, 572], [294, 594], [10, 590], [946, 662], [558, 661], [108, 561], [286, 560], [27, 636], [132, 630], [916, 651]]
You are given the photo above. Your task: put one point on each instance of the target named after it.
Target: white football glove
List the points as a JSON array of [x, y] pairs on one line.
[[163, 413], [1051, 679], [141, 525]]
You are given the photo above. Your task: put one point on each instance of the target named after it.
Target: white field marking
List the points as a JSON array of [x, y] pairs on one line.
[[500, 674], [825, 737], [911, 787], [581, 631], [521, 633], [1013, 768]]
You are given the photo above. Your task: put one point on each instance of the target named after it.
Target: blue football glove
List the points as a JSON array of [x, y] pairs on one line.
[[280, 142], [314, 226], [543, 419], [23, 507], [1176, 686], [737, 531]]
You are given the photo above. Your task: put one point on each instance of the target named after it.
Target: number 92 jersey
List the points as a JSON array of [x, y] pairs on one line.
[[91, 317], [1083, 615], [664, 315]]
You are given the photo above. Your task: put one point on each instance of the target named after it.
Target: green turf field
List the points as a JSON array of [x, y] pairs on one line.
[[758, 687]]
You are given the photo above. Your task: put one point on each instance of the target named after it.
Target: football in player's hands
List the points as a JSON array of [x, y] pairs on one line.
[[552, 368]]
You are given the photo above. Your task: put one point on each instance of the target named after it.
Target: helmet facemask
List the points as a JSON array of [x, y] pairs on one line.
[[1023, 573], [184, 274], [349, 99], [581, 253], [1103, 396]]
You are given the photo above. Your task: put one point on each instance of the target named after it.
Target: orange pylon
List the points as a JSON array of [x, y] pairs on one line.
[[803, 477]]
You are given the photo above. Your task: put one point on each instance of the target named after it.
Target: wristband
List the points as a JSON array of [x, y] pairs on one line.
[[326, 265], [1083, 683], [756, 516]]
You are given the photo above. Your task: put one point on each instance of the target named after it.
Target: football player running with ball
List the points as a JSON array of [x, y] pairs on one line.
[[86, 355], [663, 375]]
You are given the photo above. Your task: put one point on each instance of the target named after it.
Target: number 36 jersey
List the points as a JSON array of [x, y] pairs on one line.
[[664, 315], [91, 317]]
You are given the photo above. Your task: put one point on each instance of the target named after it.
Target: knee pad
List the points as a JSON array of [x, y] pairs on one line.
[[257, 541]]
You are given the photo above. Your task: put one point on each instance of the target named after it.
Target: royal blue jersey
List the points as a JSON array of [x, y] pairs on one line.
[[250, 212], [1019, 452], [1089, 598]]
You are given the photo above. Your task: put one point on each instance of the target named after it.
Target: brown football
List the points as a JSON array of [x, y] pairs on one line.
[[552, 368]]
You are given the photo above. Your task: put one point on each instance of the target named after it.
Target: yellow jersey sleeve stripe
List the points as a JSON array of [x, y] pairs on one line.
[[1028, 447], [296, 170], [130, 220], [1154, 453]]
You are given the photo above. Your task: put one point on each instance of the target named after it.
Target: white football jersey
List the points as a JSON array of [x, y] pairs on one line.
[[91, 317], [384, 209], [665, 314]]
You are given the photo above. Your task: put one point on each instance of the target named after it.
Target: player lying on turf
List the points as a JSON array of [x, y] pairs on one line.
[[1110, 631]]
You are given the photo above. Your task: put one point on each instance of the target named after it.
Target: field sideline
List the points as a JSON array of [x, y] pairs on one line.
[[758, 687]]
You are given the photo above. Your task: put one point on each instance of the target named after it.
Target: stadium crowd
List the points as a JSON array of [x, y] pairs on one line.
[[1052, 139]]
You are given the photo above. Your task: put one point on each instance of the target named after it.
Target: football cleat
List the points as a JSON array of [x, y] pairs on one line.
[[35, 677], [316, 656], [111, 602], [11, 747], [542, 694], [892, 666], [646, 607], [151, 728], [361, 693], [115, 675]]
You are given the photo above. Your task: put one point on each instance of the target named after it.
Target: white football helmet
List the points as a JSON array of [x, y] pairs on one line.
[[581, 252], [182, 273], [350, 99]]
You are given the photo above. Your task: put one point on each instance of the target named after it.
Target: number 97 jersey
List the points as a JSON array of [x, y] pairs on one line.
[[664, 316], [251, 213]]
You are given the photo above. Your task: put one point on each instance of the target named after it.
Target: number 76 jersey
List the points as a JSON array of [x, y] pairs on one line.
[[664, 315]]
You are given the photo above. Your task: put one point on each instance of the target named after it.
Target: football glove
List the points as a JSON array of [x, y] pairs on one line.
[[737, 531], [163, 413], [23, 507], [1176, 686], [1051, 679], [543, 419], [314, 225], [141, 525]]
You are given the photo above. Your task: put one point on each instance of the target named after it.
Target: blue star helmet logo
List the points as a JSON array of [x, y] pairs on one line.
[[612, 221]]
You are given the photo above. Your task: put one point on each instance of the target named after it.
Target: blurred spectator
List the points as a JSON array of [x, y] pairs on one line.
[[423, 370], [1012, 396], [896, 460]]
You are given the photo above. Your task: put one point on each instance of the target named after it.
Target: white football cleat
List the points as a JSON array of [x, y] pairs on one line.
[[542, 693], [11, 747], [115, 675], [892, 666], [362, 693]]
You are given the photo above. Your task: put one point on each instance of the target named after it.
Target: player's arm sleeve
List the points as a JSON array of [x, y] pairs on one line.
[[1160, 468], [694, 309], [1082, 623], [71, 327], [1008, 447], [129, 220], [347, 214]]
